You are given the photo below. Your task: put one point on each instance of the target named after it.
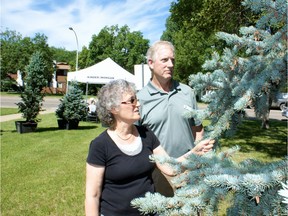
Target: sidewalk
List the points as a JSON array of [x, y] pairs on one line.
[[19, 115]]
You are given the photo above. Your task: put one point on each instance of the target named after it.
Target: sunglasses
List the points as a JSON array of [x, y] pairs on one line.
[[132, 100]]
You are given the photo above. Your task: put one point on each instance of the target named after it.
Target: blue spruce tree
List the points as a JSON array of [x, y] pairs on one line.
[[251, 68], [33, 95]]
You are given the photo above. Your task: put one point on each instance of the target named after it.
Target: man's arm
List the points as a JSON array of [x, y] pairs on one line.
[[198, 132]]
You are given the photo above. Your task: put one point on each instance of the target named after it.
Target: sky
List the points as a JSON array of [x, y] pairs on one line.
[[87, 17]]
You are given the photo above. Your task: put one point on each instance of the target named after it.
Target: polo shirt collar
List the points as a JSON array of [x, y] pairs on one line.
[[152, 89]]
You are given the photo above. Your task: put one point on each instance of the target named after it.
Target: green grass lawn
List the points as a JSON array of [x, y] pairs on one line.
[[43, 173], [263, 145], [8, 111]]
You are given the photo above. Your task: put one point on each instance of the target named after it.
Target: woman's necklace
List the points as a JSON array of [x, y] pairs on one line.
[[125, 138]]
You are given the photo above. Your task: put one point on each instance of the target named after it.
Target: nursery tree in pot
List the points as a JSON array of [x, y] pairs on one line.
[[32, 96], [72, 108]]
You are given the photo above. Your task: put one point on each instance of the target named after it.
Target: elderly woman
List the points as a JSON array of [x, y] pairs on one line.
[[118, 167]]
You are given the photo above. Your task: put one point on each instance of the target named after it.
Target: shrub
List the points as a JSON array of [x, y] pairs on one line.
[[32, 96], [72, 106]]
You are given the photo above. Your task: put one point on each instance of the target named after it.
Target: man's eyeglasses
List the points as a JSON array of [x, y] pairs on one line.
[[133, 100]]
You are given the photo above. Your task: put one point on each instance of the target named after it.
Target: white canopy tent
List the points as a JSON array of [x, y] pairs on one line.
[[101, 73]]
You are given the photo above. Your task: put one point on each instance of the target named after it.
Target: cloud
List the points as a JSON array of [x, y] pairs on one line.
[[87, 17]]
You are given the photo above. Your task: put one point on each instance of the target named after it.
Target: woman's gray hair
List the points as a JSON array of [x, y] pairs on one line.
[[110, 97], [151, 52]]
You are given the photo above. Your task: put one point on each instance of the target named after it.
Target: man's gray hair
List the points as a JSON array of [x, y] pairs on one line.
[[153, 49]]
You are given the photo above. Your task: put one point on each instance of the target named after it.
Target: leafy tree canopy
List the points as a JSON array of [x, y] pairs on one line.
[[16, 52], [124, 47], [192, 25], [62, 55]]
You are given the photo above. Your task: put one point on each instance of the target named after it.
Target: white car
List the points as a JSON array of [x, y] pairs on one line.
[[285, 112], [282, 101]]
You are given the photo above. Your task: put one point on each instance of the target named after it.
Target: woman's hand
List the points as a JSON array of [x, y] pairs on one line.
[[203, 147]]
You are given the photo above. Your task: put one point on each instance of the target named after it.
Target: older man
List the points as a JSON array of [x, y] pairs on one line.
[[164, 102]]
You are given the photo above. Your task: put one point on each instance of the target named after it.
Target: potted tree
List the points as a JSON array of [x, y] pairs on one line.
[[72, 108], [62, 122], [32, 95]]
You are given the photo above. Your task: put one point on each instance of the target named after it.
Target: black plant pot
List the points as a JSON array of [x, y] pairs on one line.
[[25, 127], [68, 125], [72, 124], [62, 123]]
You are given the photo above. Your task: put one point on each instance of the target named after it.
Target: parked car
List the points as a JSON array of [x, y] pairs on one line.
[[285, 112], [281, 102]]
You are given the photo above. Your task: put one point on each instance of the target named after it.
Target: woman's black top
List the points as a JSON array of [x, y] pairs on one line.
[[126, 177]]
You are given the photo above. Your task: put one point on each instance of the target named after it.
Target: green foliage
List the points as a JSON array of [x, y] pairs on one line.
[[84, 58], [40, 44], [171, 28], [72, 106], [63, 55], [124, 47], [252, 68], [191, 52], [32, 96], [192, 27], [16, 52], [9, 84]]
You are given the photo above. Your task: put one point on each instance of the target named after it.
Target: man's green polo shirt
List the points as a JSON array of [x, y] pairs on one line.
[[164, 114]]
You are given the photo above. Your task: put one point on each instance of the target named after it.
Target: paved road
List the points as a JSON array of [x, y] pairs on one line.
[[10, 101], [274, 113], [50, 104]]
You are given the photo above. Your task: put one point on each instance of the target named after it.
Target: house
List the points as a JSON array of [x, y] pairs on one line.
[[59, 80], [58, 83]]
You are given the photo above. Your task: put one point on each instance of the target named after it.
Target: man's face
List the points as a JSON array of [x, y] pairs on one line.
[[163, 63]]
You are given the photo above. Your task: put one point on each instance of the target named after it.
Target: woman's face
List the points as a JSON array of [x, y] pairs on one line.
[[128, 110]]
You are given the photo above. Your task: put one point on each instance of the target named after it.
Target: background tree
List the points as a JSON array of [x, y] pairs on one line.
[[192, 26], [171, 28], [252, 66], [14, 55], [84, 58], [124, 47], [40, 44], [16, 52], [62, 55]]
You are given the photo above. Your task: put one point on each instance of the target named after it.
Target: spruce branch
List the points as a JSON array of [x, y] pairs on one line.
[[210, 178], [251, 69]]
